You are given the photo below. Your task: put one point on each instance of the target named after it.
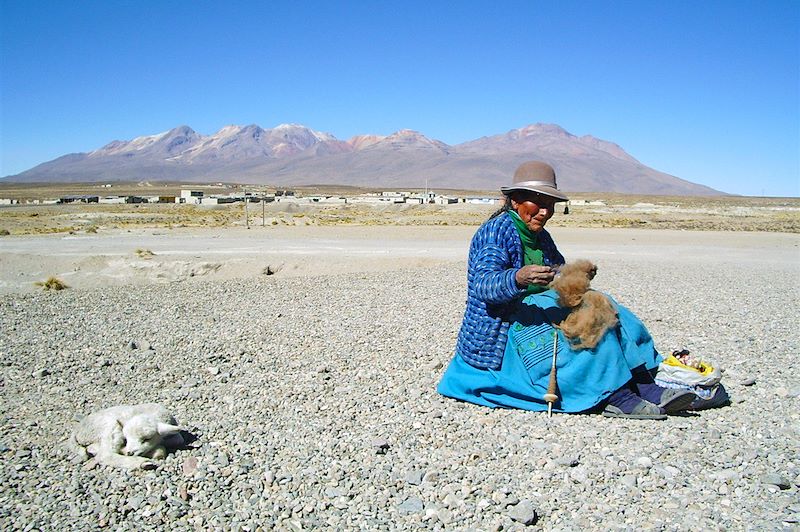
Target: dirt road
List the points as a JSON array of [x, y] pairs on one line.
[[123, 257]]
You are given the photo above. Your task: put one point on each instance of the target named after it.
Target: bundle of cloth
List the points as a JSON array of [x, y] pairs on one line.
[[683, 371]]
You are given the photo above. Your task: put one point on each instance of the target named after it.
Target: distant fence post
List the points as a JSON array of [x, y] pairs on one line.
[[246, 216]]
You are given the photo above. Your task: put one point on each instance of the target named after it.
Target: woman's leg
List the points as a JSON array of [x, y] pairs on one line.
[[643, 359], [626, 404], [671, 400]]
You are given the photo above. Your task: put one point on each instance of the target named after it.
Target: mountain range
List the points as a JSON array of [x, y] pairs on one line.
[[292, 155]]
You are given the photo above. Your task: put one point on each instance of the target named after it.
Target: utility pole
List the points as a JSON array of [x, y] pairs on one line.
[[246, 217], [263, 202]]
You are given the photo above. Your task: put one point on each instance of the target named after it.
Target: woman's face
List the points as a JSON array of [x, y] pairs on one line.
[[534, 209]]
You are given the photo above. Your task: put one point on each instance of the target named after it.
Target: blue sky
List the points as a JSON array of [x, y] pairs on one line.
[[706, 91]]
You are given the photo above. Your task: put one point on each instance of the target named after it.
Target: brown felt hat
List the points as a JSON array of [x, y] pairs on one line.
[[535, 176]]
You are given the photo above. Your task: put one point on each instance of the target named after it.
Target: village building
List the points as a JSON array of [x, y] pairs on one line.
[[111, 200], [80, 198], [190, 196], [481, 201], [445, 200], [136, 199]]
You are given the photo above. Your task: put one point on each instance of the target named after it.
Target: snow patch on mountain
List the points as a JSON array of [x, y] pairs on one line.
[[175, 140]]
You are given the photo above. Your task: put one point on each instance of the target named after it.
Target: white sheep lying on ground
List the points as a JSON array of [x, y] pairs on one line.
[[127, 436]]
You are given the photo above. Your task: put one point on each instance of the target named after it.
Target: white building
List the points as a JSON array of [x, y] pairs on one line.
[[481, 201], [111, 199], [445, 200], [369, 198], [190, 196]]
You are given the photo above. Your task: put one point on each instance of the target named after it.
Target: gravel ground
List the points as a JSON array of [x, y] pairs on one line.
[[313, 404]]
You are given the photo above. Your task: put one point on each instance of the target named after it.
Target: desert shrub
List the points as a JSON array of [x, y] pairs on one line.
[[4, 232], [91, 230], [144, 253], [52, 283], [271, 270]]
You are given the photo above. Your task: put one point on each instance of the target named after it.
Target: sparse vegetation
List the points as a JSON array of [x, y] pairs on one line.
[[719, 213], [52, 283], [144, 253], [271, 270]]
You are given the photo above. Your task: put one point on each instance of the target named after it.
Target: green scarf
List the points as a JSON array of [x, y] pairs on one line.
[[531, 252]]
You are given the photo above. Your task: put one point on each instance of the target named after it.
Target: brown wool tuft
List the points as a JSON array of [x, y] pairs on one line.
[[592, 312]]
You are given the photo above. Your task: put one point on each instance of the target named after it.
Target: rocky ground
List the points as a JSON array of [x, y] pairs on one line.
[[313, 402]]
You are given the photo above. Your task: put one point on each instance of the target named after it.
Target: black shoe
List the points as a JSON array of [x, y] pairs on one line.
[[676, 400], [627, 405], [670, 399]]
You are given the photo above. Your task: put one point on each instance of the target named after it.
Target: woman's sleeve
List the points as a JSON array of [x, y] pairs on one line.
[[493, 275]]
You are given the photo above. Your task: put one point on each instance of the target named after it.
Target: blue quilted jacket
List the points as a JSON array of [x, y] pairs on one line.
[[495, 255]]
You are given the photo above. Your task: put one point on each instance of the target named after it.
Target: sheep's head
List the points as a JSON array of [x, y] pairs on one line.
[[143, 434]]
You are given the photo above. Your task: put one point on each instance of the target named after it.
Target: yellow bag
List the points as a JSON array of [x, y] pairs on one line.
[[673, 370]]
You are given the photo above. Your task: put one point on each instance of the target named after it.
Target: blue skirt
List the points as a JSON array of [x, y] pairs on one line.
[[585, 376]]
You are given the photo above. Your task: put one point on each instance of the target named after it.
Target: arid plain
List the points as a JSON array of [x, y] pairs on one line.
[[304, 354], [97, 244]]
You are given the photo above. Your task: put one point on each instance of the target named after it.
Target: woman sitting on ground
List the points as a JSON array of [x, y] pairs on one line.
[[505, 345]]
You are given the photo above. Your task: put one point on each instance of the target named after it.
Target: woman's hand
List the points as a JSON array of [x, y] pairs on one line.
[[534, 274]]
